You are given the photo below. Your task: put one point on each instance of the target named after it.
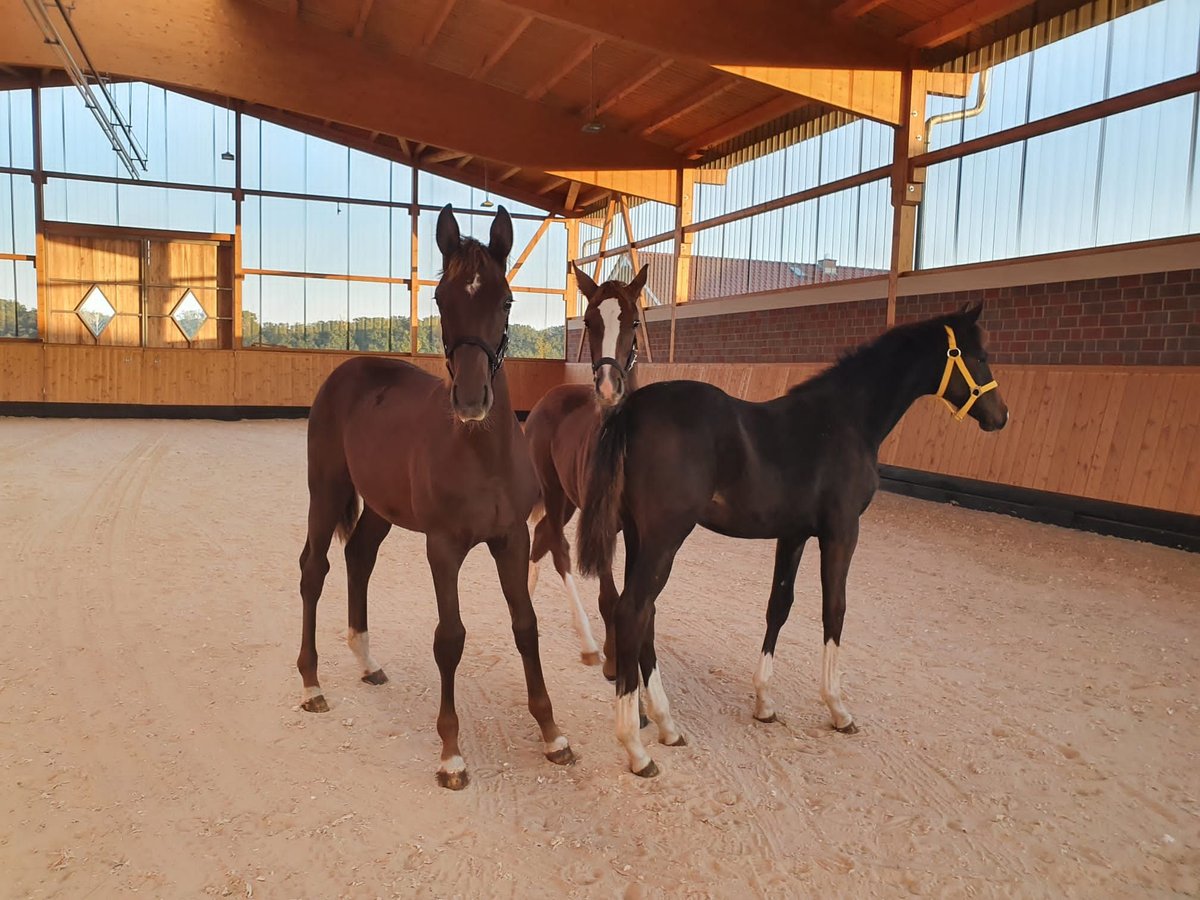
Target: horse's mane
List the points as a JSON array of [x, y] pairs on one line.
[[867, 358], [471, 257]]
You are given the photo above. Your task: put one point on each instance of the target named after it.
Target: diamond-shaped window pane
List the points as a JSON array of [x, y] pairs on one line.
[[95, 311], [189, 315]]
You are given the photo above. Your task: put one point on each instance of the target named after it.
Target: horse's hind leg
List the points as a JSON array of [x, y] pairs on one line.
[[511, 553], [783, 592], [361, 551], [837, 548], [657, 706], [326, 508], [549, 536], [607, 601]]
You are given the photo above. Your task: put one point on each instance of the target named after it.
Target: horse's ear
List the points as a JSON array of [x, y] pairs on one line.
[[501, 240], [639, 280], [972, 312], [449, 239], [586, 285]]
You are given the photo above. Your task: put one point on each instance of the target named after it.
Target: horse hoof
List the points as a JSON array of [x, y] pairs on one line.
[[376, 677], [563, 757], [650, 771], [453, 781], [643, 721], [847, 729], [592, 659], [767, 720], [610, 669], [315, 704], [680, 741]]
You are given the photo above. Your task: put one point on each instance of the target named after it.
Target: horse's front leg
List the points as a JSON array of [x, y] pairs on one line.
[[837, 549], [511, 554], [446, 556]]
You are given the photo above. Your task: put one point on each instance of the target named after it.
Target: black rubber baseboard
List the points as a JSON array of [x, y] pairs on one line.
[[1138, 523], [143, 411]]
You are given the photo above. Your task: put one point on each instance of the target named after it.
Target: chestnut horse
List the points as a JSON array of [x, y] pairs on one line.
[[561, 430], [449, 462], [680, 454]]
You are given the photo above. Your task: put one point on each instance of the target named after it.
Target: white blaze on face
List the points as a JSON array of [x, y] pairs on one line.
[[659, 709], [360, 646], [610, 317], [764, 707], [629, 731], [831, 686], [473, 286]]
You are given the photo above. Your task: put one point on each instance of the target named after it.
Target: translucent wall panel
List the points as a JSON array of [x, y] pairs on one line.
[[16, 129], [537, 326], [325, 314], [16, 214], [18, 299], [131, 205]]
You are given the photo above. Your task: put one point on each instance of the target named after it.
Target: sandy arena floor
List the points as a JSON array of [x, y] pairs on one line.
[[1028, 699]]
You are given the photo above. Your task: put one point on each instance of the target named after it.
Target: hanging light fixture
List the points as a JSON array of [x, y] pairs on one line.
[[228, 154], [487, 197], [593, 125]]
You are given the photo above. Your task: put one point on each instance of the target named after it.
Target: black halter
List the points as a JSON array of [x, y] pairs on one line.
[[495, 357], [629, 363]]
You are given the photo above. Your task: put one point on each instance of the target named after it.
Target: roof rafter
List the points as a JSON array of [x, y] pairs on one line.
[[498, 52], [545, 85], [434, 26], [765, 36], [360, 24], [263, 56], [955, 24], [678, 108], [852, 9], [631, 84]]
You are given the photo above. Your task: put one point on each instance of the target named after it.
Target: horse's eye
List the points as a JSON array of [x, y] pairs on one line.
[[637, 323], [508, 303]]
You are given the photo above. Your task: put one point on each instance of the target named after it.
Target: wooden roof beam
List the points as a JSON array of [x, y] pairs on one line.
[[498, 52], [360, 23], [508, 173], [852, 9], [677, 109], [651, 184], [581, 54], [760, 115], [572, 196], [435, 24], [441, 156], [263, 56], [750, 32], [631, 84], [965, 18]]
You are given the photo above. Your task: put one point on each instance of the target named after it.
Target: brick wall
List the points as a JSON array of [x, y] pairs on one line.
[[1149, 319]]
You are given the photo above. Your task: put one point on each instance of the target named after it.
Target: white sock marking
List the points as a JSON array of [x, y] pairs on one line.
[[831, 685], [658, 709], [534, 572], [310, 692], [557, 744], [360, 646], [452, 765], [764, 707], [629, 731], [587, 643]]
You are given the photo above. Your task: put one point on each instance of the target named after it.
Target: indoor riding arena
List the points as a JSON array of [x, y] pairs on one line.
[[443, 295]]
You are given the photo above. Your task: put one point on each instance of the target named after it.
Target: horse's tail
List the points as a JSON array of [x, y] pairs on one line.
[[348, 518], [600, 519]]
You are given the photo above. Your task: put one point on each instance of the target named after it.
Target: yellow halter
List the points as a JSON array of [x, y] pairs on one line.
[[954, 360]]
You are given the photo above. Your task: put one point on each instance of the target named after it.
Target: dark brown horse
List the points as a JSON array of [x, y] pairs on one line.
[[451, 463], [680, 454], [561, 430]]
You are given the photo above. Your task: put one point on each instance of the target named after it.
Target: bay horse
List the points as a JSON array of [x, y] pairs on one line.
[[682, 453], [561, 430], [450, 462]]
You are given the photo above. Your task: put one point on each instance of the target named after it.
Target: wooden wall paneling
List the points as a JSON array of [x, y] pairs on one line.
[[1183, 393], [73, 264], [1049, 422], [188, 377], [93, 374], [174, 268], [1127, 442], [21, 371], [1105, 430], [1088, 418], [1181, 488], [1143, 451], [1019, 464]]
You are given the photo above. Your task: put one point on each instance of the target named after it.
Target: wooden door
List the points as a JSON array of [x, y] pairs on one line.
[[93, 280]]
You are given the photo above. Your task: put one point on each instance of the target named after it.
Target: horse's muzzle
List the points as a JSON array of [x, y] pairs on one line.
[[610, 385]]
